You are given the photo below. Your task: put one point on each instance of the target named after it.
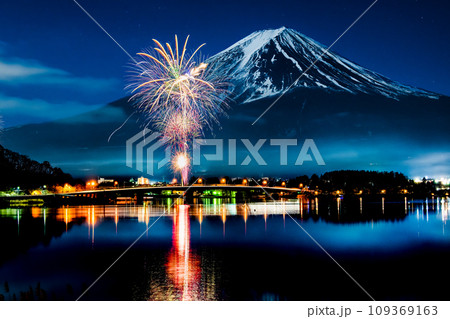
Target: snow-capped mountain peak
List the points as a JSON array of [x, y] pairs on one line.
[[268, 62]]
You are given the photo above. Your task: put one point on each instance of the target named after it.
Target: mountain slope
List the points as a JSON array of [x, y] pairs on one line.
[[268, 62], [16, 169]]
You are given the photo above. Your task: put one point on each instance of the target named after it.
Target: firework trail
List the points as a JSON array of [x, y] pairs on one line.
[[178, 96]]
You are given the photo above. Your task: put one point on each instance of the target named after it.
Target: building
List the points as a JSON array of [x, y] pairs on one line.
[[143, 181], [104, 180]]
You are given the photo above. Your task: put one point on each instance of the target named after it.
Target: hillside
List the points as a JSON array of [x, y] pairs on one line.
[[19, 170]]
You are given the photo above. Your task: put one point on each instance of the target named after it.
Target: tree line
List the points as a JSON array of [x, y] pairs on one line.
[[19, 170]]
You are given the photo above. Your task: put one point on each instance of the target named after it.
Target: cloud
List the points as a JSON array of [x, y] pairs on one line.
[[32, 92], [15, 71], [432, 164], [17, 111]]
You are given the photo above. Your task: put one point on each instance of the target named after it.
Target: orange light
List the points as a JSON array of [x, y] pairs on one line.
[[283, 184], [116, 183], [91, 183], [264, 182], [244, 181], [200, 181], [36, 192], [174, 181], [301, 185], [223, 180]]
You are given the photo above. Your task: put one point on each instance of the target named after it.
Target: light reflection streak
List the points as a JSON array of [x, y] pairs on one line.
[[338, 206], [224, 219], [301, 207], [183, 266], [116, 217], [45, 220], [93, 224], [245, 218], [66, 218], [200, 219], [265, 217], [18, 222]]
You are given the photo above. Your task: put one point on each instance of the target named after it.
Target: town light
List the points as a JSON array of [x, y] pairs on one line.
[[283, 184], [244, 182], [91, 183], [223, 180], [264, 182], [200, 181]]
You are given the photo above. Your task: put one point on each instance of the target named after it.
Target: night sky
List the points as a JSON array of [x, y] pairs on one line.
[[55, 62]]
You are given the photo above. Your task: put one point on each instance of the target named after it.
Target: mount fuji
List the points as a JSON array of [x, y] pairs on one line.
[[358, 118], [271, 62]]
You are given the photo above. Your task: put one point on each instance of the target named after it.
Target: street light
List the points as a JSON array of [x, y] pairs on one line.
[[223, 181], [200, 181], [264, 182], [283, 184], [244, 181]]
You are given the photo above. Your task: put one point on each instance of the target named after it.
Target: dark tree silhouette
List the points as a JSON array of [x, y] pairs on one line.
[[20, 170]]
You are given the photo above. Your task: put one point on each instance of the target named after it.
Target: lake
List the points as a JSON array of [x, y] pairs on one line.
[[214, 249]]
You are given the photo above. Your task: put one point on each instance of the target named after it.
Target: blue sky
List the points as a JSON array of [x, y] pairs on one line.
[[55, 62]]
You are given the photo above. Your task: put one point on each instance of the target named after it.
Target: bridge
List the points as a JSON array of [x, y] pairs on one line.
[[140, 194]]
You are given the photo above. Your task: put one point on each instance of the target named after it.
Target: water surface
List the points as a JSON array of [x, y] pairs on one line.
[[218, 250]]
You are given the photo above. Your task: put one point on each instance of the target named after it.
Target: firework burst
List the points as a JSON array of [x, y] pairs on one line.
[[167, 82], [178, 95], [180, 128], [181, 162]]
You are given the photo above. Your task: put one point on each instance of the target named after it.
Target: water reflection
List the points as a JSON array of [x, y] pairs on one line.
[[187, 253], [183, 265], [333, 210]]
